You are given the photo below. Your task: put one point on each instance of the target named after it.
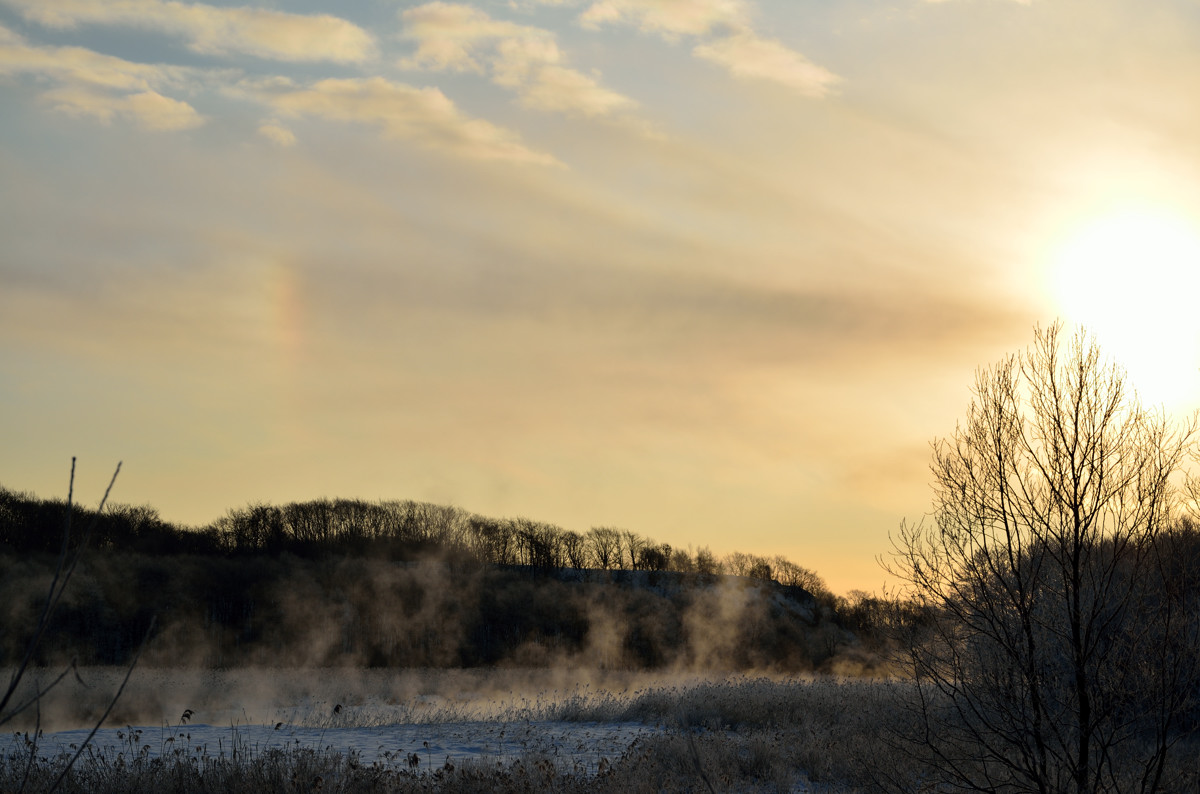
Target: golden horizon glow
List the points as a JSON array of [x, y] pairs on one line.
[[1131, 277], [712, 271]]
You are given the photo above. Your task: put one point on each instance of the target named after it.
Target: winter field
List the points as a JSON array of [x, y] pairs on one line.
[[497, 730]]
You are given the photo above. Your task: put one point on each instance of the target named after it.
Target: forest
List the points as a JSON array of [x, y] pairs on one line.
[[410, 584]]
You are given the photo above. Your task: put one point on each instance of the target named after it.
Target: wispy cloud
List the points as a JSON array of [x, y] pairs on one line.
[[522, 58], [450, 36], [80, 65], [729, 38], [669, 17], [213, 30], [277, 133], [424, 116], [149, 109], [87, 83], [747, 55]]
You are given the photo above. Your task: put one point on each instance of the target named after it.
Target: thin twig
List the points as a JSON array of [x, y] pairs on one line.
[[19, 673], [62, 575], [33, 746], [107, 711], [696, 756], [38, 694]]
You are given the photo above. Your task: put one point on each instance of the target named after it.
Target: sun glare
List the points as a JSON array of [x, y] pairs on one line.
[[1133, 279]]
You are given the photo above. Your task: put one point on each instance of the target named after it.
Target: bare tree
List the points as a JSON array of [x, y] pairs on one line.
[[604, 543], [654, 557], [634, 545], [737, 563], [540, 545], [682, 561], [492, 540], [575, 549], [793, 575], [759, 568], [706, 563], [1055, 655]]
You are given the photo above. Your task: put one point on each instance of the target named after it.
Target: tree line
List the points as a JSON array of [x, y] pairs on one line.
[[400, 530], [406, 583]]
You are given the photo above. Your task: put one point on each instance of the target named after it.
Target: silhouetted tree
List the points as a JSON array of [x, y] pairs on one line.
[[605, 546], [653, 558], [634, 544], [575, 550], [706, 563], [759, 569], [492, 540], [682, 561], [539, 544], [1056, 655], [737, 563]]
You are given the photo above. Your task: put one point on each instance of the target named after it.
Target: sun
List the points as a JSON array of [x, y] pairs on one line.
[[1132, 277]]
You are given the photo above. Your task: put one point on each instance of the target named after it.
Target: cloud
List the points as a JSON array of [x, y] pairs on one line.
[[149, 109], [447, 33], [211, 30], [521, 5], [8, 38], [422, 115], [669, 17], [101, 86], [567, 91], [747, 55], [280, 135], [524, 59], [731, 41], [79, 65]]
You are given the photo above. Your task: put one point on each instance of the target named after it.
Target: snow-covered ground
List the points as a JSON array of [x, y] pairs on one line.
[[440, 716], [579, 745], [755, 732]]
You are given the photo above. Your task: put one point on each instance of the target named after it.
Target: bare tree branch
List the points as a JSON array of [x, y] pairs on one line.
[[1057, 649]]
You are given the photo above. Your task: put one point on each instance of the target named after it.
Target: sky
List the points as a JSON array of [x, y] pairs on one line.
[[714, 271]]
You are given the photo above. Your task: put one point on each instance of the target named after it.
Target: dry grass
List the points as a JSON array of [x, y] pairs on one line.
[[735, 734], [738, 734]]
